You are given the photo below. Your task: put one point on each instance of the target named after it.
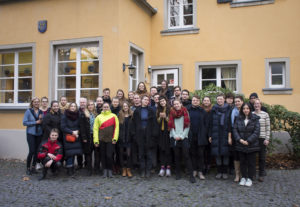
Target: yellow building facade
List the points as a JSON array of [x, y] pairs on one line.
[[248, 46]]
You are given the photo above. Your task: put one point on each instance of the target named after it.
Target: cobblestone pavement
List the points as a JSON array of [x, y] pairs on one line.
[[281, 188]]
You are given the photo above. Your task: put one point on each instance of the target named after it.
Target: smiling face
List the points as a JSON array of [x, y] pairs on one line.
[[99, 101], [238, 103], [105, 107], [156, 98], [163, 85], [163, 102], [73, 107], [115, 102], [36, 103], [177, 105], [195, 101], [177, 92], [141, 86], [246, 110], [145, 101], [206, 102], [130, 95], [153, 91], [91, 106], [53, 136], [125, 107], [120, 94], [83, 103], [55, 107], [220, 100], [137, 100]]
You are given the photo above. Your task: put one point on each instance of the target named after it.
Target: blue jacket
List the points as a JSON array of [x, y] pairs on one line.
[[30, 121]]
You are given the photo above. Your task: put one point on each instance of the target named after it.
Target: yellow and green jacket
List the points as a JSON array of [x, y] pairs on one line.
[[106, 127]]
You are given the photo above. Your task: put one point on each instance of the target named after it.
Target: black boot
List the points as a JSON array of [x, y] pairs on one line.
[[44, 173], [192, 178], [28, 171], [178, 175]]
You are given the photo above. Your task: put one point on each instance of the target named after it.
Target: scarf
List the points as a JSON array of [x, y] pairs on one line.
[[174, 114], [235, 112], [72, 115], [221, 111]]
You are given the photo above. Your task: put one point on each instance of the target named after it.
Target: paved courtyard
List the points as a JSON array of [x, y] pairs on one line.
[[281, 188]]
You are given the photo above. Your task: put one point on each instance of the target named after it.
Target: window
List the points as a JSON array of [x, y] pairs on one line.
[[225, 74], [77, 72], [222, 76], [15, 77], [241, 3], [277, 74], [180, 13], [134, 79]]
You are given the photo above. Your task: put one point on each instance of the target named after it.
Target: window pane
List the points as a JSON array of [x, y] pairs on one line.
[[174, 21], [6, 71], [67, 54], [277, 68], [25, 70], [188, 9], [90, 67], [170, 78], [277, 80], [230, 84], [67, 68], [89, 94], [25, 57], [206, 83], [174, 10], [89, 82], [7, 84], [229, 72], [187, 1], [7, 58], [25, 83], [25, 96], [134, 84], [209, 73], [89, 53], [160, 78], [174, 2], [188, 20], [66, 82], [71, 95], [6, 97]]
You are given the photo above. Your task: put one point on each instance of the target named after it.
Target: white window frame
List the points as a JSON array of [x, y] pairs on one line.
[[218, 65], [242, 3], [181, 15], [71, 43], [282, 75], [131, 79], [17, 49]]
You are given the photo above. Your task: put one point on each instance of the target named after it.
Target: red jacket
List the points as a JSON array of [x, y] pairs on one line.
[[54, 148]]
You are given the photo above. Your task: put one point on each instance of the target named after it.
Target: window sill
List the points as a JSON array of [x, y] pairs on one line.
[[16, 107], [251, 3], [192, 30], [277, 91]]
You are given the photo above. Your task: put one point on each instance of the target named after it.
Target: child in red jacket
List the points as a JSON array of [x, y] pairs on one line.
[[50, 153]]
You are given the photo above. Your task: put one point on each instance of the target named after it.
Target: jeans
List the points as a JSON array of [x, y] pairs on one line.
[[222, 163], [33, 145], [70, 161], [106, 150], [247, 161], [262, 157]]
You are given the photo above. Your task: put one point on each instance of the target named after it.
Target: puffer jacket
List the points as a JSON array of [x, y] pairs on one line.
[[249, 133]]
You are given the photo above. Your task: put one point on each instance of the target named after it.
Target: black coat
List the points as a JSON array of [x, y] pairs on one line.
[[136, 130], [186, 103], [85, 133], [219, 132], [125, 139], [67, 127], [51, 121], [164, 142], [249, 133], [202, 127], [168, 93]]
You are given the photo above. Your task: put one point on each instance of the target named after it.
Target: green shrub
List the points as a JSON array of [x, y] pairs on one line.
[[280, 117]]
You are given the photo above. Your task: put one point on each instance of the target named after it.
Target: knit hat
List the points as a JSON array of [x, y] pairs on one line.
[[253, 94]]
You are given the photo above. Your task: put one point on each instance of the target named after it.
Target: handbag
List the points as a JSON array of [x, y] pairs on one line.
[[70, 138]]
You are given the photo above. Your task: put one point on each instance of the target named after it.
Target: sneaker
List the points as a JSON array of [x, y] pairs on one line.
[[201, 176], [242, 182], [195, 173], [38, 166], [161, 172], [248, 182], [105, 173], [218, 176], [168, 173], [225, 176]]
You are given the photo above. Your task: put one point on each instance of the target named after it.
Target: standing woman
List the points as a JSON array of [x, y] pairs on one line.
[[44, 105], [63, 104], [264, 136], [246, 133], [70, 126], [162, 116], [106, 133], [87, 118], [164, 90], [179, 126], [33, 120], [142, 90], [52, 120], [130, 98], [125, 119], [220, 135], [121, 96], [238, 102], [144, 131]]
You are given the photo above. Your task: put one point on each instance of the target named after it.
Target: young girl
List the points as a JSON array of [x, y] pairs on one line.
[[106, 133], [179, 126], [162, 116], [125, 117], [246, 133]]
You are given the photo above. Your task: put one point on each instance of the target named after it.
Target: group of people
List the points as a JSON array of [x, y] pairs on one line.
[[149, 129]]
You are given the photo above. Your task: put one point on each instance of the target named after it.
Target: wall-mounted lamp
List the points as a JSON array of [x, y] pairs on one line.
[[131, 68], [149, 69]]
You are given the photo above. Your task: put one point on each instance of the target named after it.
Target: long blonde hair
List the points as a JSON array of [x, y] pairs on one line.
[[122, 113]]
